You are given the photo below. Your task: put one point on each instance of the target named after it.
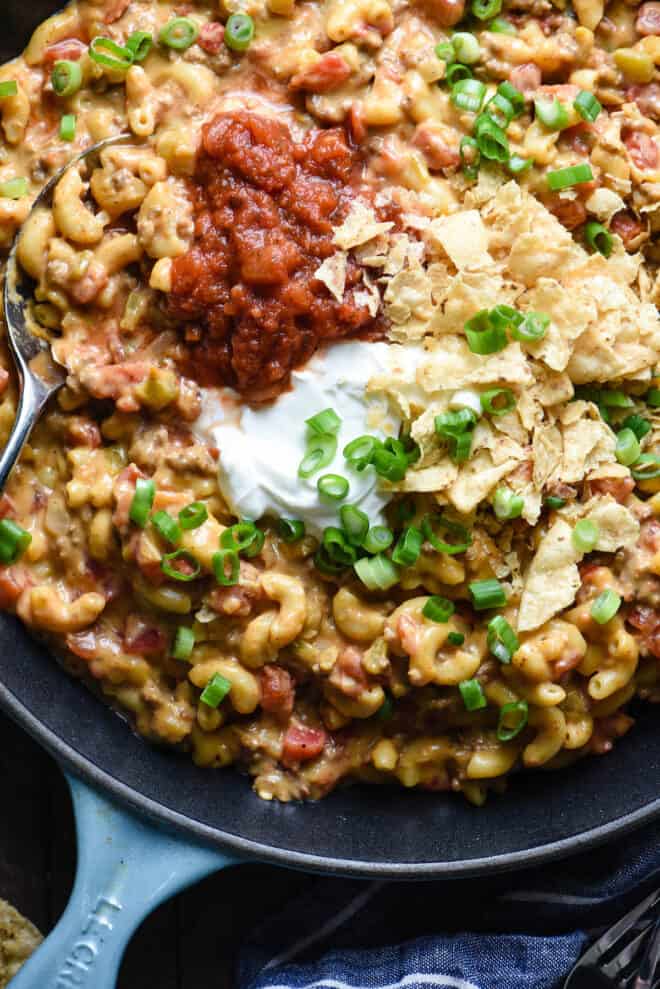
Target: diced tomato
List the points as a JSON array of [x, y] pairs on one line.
[[302, 743], [143, 639], [211, 37], [357, 129], [13, 581], [277, 690], [642, 149], [348, 674], [526, 77], [571, 213], [69, 50], [437, 152], [116, 8], [618, 487], [325, 75]]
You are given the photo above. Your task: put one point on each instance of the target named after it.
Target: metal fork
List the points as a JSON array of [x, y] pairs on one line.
[[627, 956], [38, 373]]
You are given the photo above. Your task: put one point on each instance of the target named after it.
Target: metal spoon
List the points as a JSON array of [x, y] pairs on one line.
[[40, 376]]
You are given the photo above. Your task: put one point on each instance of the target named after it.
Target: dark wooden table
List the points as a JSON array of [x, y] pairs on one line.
[[188, 943]]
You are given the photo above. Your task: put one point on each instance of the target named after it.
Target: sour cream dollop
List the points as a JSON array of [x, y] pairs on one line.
[[261, 448]]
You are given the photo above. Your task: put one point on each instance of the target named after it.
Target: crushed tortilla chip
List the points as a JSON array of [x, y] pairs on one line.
[[463, 238], [333, 274], [552, 578], [359, 227]]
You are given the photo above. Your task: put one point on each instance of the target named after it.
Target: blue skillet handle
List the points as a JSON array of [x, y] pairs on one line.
[[126, 867]]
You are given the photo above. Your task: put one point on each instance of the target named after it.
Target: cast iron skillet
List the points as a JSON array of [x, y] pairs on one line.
[[126, 867]]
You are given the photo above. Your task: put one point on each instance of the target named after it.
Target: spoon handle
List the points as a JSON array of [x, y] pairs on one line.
[[33, 397]]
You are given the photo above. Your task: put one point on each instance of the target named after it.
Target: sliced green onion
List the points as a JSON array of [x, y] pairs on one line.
[[513, 718], [167, 527], [532, 328], [143, 499], [435, 527], [445, 52], [226, 567], [66, 78], [587, 105], [377, 573], [215, 690], [564, 178], [555, 502], [652, 397], [513, 95], [456, 638], [140, 44], [438, 609], [68, 127], [456, 422], [168, 568], [321, 451], [457, 72], [470, 156], [647, 467], [598, 238], [501, 26], [180, 34], [462, 448], [639, 425], [487, 593], [468, 94], [291, 530], [325, 422], [14, 188], [193, 515], [605, 606], [337, 547], [333, 487], [483, 336], [493, 142], [498, 401], [507, 504], [325, 564], [119, 58], [378, 539], [8, 88], [473, 695], [551, 113], [483, 10], [500, 110], [14, 540], [466, 47], [613, 398], [359, 452], [407, 550], [502, 640], [390, 460], [518, 165], [585, 535], [184, 643], [505, 317], [244, 537], [239, 32], [627, 447], [355, 523]]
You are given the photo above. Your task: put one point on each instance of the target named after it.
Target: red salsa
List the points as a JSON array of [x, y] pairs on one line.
[[265, 206]]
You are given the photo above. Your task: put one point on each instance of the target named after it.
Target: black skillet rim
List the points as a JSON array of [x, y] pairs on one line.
[[247, 849]]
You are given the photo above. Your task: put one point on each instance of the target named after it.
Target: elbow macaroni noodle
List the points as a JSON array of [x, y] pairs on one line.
[[323, 680]]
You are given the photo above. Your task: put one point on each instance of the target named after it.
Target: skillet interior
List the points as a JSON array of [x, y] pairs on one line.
[[365, 830], [360, 830]]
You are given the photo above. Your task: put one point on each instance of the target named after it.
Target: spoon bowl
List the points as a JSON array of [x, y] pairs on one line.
[[39, 374]]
